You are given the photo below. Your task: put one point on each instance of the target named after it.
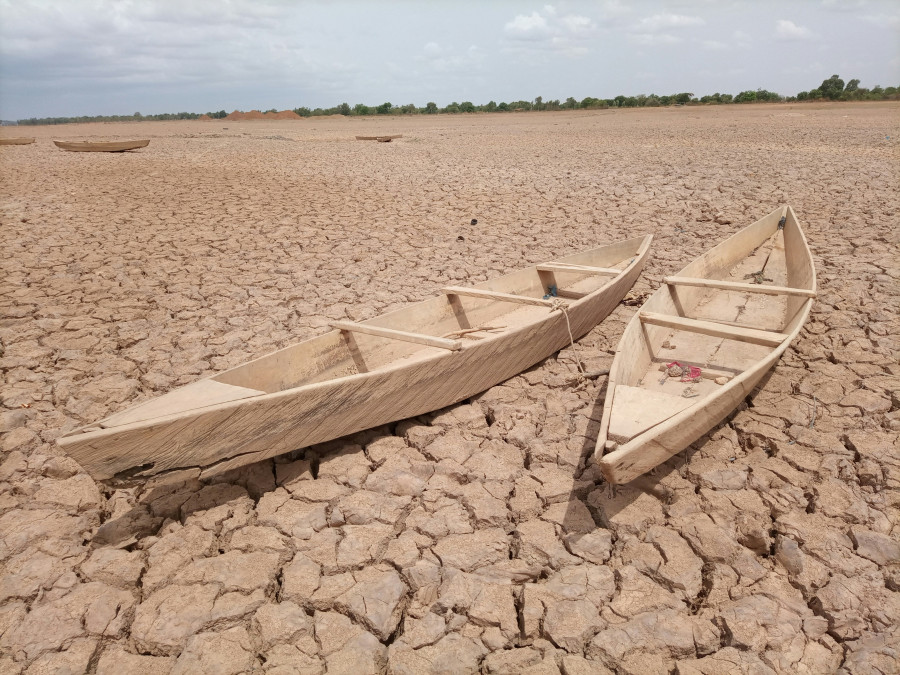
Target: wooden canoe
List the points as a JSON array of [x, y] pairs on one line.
[[414, 360], [101, 146], [380, 139], [710, 316], [16, 141]]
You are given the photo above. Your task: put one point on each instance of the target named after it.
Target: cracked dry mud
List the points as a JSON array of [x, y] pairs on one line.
[[478, 538]]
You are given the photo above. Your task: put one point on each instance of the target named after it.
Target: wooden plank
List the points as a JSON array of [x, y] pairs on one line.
[[751, 335], [570, 295], [576, 269], [496, 295], [390, 333], [736, 286], [191, 397], [635, 410]]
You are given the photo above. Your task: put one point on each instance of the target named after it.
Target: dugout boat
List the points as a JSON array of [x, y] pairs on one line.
[[16, 141], [702, 342], [101, 146], [414, 360]]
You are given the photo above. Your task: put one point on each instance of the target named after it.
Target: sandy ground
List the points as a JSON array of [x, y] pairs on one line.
[[477, 538]]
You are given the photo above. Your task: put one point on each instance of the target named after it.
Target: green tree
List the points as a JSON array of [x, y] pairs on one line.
[[384, 108], [684, 97], [503, 106], [490, 106], [467, 107], [745, 97], [571, 103], [431, 108], [832, 87], [361, 109], [344, 109]]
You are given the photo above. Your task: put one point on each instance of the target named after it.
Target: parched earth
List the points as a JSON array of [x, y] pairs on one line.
[[479, 538]]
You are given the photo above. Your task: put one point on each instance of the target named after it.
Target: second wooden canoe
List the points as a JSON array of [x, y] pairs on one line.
[[380, 139], [16, 141], [730, 315], [414, 360], [101, 146]]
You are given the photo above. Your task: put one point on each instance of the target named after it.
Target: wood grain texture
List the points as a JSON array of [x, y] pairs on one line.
[[416, 338], [728, 332], [761, 247], [734, 286], [392, 380], [101, 146]]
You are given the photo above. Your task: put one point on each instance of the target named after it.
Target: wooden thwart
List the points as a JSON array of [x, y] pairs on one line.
[[736, 286], [576, 269], [496, 295], [390, 333], [751, 335]]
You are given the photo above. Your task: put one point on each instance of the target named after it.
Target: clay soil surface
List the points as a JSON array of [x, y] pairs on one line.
[[479, 538]]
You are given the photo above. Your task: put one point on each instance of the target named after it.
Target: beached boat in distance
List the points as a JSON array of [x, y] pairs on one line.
[[101, 146], [16, 141], [702, 342], [380, 139], [414, 360]]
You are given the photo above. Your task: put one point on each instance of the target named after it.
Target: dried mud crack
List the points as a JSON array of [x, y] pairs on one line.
[[479, 538]]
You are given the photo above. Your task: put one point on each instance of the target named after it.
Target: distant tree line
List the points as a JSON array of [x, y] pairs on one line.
[[832, 89]]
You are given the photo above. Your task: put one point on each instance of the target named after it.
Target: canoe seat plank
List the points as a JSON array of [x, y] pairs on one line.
[[404, 336], [570, 295], [197, 395], [496, 295], [736, 286], [751, 335], [577, 269], [634, 410]]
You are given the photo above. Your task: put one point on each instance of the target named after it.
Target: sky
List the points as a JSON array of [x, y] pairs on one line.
[[117, 57]]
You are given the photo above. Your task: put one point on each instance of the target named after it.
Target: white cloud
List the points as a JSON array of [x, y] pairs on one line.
[[654, 39], [567, 33], [530, 27], [436, 58], [788, 30], [658, 22]]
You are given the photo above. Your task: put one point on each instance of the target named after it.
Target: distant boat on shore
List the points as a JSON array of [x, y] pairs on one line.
[[101, 146], [380, 139], [16, 141]]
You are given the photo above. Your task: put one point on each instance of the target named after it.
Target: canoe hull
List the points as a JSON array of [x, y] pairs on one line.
[[233, 434], [110, 146], [16, 141], [660, 442]]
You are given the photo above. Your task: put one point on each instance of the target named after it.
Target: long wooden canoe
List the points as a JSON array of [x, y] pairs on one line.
[[731, 314], [16, 141], [380, 139], [101, 146], [411, 361]]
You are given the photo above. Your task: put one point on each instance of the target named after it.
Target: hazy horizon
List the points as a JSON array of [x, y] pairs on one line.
[[113, 57]]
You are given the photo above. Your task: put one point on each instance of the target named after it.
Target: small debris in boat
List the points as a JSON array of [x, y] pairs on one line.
[[689, 392], [756, 277], [722, 380], [674, 370], [474, 221], [668, 345]]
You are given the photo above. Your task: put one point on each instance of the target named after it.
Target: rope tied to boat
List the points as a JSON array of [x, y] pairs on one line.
[[559, 304]]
